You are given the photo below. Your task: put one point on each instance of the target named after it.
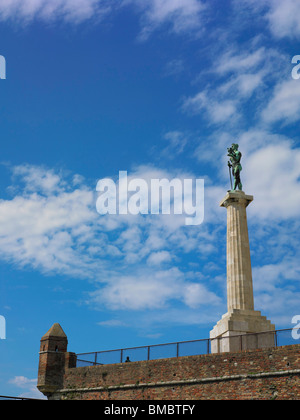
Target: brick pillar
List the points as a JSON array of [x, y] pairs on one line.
[[53, 361]]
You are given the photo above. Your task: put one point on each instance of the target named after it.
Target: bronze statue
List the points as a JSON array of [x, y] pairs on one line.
[[235, 164]]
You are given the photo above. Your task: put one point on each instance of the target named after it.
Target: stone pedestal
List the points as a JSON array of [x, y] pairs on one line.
[[239, 327], [242, 330]]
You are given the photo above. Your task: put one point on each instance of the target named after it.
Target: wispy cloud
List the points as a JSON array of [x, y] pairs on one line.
[[174, 68], [284, 106], [283, 18], [276, 286], [175, 16], [51, 225], [28, 386], [74, 11], [217, 111], [46, 224], [176, 143], [238, 77], [152, 289], [280, 16], [180, 16]]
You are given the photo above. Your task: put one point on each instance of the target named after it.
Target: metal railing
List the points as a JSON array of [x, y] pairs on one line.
[[185, 348], [5, 398]]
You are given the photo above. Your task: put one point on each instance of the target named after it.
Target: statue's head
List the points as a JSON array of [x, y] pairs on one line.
[[235, 146]]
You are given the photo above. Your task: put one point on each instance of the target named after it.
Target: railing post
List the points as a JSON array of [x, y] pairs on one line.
[[122, 356], [177, 349], [148, 353], [95, 364]]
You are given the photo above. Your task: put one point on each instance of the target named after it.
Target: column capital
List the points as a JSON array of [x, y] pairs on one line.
[[236, 197]]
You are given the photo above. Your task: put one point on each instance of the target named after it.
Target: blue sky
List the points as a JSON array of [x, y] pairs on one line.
[[158, 88]]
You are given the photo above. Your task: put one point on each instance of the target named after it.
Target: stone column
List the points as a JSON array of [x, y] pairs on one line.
[[239, 327], [239, 273]]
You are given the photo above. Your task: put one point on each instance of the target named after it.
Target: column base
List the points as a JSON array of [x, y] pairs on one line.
[[238, 330]]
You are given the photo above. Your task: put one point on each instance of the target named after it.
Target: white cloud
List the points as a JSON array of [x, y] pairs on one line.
[[48, 10], [284, 106], [244, 84], [276, 289], [151, 290], [235, 61], [268, 277], [174, 67], [196, 294], [38, 179], [217, 111], [235, 78], [272, 174], [283, 17], [176, 143], [46, 224], [112, 323], [141, 291], [52, 226], [158, 258], [246, 72], [29, 387], [181, 15]]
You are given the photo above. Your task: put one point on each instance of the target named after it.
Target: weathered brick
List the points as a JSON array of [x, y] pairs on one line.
[[258, 374]]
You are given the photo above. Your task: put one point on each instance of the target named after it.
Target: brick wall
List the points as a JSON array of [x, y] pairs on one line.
[[258, 374]]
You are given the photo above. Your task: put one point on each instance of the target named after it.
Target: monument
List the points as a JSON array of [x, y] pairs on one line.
[[241, 328]]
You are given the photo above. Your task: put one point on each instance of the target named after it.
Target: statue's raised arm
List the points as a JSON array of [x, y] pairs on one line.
[[235, 164]]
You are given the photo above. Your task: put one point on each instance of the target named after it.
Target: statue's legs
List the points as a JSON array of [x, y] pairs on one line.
[[237, 180]]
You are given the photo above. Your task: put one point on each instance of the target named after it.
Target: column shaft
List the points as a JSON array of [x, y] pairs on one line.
[[239, 273]]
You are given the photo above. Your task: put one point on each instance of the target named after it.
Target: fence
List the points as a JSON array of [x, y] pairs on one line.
[[184, 348], [5, 398]]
